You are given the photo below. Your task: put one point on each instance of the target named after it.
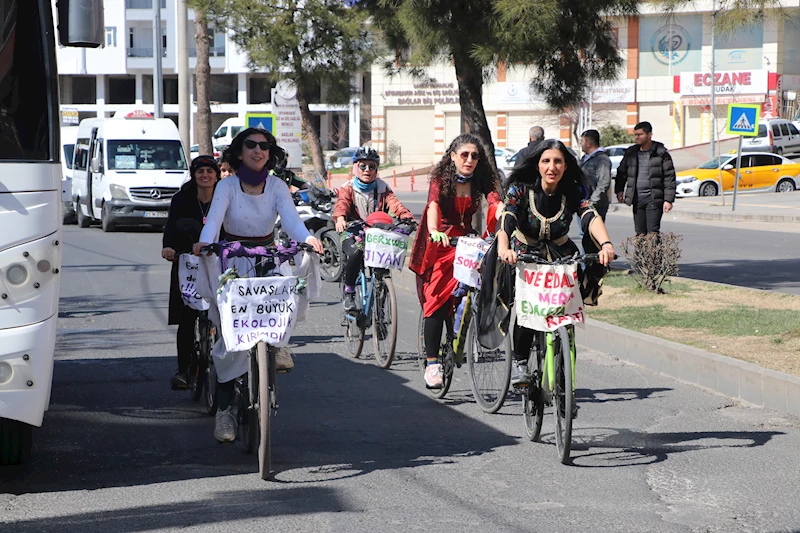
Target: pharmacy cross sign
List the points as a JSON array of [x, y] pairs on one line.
[[743, 119]]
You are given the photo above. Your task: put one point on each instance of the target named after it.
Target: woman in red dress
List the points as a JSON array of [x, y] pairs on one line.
[[457, 183]]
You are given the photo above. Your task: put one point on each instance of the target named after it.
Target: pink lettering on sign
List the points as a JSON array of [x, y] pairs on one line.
[[723, 78]]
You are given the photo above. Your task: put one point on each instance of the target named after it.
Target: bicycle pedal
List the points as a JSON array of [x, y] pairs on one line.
[[283, 370]]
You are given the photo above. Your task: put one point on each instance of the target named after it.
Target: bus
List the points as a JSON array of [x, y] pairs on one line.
[[30, 205]]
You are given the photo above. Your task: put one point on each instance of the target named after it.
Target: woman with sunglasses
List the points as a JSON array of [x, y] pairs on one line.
[[457, 183], [247, 204], [365, 194], [187, 214]]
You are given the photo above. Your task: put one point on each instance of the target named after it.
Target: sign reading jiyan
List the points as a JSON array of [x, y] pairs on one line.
[[258, 309], [385, 249], [548, 296]]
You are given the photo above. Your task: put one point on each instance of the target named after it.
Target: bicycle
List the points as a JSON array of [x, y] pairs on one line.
[[489, 370], [202, 375], [376, 304], [256, 398], [555, 360]]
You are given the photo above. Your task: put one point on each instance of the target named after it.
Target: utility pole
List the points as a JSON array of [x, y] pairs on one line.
[[158, 75], [713, 82], [184, 76]]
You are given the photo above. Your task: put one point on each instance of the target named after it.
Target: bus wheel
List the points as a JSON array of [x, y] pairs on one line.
[[16, 440]]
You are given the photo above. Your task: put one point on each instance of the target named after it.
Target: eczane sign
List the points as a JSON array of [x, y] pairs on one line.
[[725, 83]]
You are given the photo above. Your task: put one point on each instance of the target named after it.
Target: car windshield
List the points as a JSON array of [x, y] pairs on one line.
[[714, 163], [146, 155]]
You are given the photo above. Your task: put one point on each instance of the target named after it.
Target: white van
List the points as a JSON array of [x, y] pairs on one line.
[[776, 135], [68, 136], [227, 131], [126, 171]]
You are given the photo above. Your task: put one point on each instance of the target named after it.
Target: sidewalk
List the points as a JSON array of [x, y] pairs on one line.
[[758, 207]]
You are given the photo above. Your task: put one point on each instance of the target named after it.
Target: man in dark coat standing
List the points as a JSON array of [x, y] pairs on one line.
[[596, 166], [646, 180], [535, 136]]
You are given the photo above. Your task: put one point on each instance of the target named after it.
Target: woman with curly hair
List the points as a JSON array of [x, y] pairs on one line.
[[544, 195], [457, 183]]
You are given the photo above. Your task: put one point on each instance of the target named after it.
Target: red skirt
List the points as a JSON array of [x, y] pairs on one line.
[[436, 284]]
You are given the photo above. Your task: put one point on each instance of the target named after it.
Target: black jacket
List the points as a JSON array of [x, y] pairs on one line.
[[662, 174], [526, 152]]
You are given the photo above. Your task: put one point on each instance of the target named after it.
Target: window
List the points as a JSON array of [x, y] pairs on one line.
[[776, 130], [111, 36], [69, 152], [765, 160], [81, 154], [784, 129], [762, 130], [146, 155], [793, 130]]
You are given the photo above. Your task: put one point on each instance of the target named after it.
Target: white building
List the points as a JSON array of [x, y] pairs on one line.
[[119, 76]]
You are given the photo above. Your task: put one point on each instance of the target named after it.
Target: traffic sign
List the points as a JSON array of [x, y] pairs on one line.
[[743, 119], [264, 121]]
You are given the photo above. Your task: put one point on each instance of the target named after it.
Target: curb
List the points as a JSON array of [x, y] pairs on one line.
[[727, 376], [727, 217]]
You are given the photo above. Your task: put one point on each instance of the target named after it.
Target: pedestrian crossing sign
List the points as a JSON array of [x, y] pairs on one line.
[[264, 121], [743, 119]]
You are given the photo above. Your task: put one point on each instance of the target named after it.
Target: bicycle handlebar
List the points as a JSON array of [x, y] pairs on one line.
[[576, 258], [404, 226], [256, 249]]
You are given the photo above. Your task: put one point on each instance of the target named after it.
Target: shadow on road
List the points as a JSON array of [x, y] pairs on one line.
[[775, 274]]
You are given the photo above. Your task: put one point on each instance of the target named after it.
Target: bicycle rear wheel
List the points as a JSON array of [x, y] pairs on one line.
[[266, 385], [533, 399], [384, 322], [489, 370], [203, 349], [354, 335], [446, 359], [563, 394]]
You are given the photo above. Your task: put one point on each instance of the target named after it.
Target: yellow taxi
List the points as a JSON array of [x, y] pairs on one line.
[[759, 172]]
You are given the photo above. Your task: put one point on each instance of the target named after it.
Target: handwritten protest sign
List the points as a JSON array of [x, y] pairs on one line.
[[548, 297], [258, 309], [385, 249], [188, 267], [469, 252]]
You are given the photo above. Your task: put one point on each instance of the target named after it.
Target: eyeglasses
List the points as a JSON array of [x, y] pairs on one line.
[[465, 155], [365, 166], [264, 145]]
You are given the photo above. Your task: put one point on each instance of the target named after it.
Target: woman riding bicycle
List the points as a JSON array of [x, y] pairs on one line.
[[365, 194], [457, 183], [187, 214], [544, 195], [248, 204]]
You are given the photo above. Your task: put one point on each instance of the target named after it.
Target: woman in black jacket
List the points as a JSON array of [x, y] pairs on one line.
[[187, 214]]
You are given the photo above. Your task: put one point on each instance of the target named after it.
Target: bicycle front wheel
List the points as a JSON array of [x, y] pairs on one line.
[[533, 399], [563, 394], [384, 322], [266, 364], [198, 370], [354, 335], [489, 370]]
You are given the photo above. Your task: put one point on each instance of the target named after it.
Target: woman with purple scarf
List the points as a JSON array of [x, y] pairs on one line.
[[247, 205]]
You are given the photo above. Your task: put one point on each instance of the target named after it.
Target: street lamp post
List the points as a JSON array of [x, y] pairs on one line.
[[158, 76]]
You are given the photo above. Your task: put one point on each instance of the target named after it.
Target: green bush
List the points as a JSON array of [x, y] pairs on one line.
[[613, 134]]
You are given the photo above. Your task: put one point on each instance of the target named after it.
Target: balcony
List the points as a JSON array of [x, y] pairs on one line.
[[144, 52], [143, 4], [213, 51]]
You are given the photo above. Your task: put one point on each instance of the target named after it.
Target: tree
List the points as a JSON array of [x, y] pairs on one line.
[[567, 43], [732, 15], [315, 43], [202, 75]]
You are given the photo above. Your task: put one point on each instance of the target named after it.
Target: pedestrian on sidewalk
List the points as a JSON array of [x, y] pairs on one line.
[[646, 180], [535, 136]]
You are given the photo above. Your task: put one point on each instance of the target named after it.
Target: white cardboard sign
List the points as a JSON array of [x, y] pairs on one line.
[[385, 249], [548, 296], [258, 309], [188, 270], [469, 252]]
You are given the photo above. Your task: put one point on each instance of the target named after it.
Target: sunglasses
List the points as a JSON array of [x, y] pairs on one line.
[[465, 155], [365, 166], [264, 145]]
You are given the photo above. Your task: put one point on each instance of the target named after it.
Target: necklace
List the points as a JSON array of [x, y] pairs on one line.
[[204, 211], [461, 207], [252, 191]]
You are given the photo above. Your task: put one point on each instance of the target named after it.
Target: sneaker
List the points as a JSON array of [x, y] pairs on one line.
[[433, 376], [519, 374], [179, 381], [283, 359], [225, 426], [349, 301]]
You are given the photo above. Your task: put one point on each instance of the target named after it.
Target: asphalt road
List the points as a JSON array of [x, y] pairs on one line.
[[358, 448], [760, 256]]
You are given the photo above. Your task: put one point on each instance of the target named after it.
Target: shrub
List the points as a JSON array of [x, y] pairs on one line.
[[613, 134], [653, 258], [393, 153]]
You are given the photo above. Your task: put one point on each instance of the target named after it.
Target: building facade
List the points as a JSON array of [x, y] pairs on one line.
[[666, 80]]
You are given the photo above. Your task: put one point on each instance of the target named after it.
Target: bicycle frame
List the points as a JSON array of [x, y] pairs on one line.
[[548, 374], [366, 280]]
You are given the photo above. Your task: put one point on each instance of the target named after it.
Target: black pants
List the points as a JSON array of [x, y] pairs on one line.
[[523, 340], [647, 217], [354, 261], [185, 338], [432, 327]]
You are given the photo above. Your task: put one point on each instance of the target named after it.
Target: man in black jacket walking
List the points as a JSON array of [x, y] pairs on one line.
[[535, 136], [646, 180]]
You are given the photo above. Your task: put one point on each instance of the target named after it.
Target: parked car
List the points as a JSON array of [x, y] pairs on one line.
[[776, 135], [342, 158], [227, 131], [760, 171], [615, 153], [195, 150]]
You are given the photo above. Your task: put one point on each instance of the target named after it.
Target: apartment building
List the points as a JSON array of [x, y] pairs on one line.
[[119, 76]]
